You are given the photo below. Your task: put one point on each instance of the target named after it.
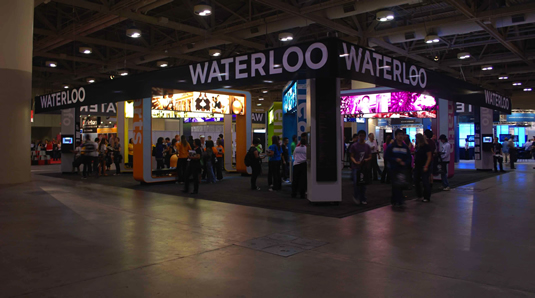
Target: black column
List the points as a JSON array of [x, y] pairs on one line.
[[327, 111]]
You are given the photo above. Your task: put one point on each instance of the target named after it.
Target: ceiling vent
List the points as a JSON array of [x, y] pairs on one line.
[[410, 36], [349, 8], [254, 30], [517, 18]]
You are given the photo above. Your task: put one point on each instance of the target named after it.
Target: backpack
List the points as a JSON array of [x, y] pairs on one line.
[[249, 158]]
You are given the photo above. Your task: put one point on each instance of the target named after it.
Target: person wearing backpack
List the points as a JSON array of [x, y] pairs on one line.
[[274, 170], [209, 161], [253, 159]]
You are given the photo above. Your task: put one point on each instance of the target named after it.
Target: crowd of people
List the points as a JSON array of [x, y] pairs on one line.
[[96, 156], [52, 148], [407, 165]]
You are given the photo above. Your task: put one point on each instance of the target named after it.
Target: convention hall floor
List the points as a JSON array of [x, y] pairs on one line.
[[59, 238]]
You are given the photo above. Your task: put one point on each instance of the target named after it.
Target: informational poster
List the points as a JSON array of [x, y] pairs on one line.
[[289, 99], [203, 102]]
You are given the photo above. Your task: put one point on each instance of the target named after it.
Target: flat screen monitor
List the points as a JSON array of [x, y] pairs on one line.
[[471, 138], [289, 99], [393, 102], [503, 136], [487, 140], [201, 102], [67, 140]]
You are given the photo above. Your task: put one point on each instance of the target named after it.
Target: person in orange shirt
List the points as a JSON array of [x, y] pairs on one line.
[[219, 151], [183, 152]]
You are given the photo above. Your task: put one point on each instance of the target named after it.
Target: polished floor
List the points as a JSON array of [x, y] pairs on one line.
[[60, 238]]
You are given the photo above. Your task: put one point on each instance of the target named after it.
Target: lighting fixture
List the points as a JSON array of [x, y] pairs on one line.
[[527, 89], [85, 50], [517, 84], [286, 36], [436, 58], [463, 55], [276, 65], [503, 77], [268, 81], [227, 87], [486, 67], [344, 55], [90, 80], [260, 98], [162, 63], [432, 38], [66, 87], [51, 64], [258, 104], [264, 91], [202, 9], [384, 16], [133, 32], [214, 52], [123, 73]]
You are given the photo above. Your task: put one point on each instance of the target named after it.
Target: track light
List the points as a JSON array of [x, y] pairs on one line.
[[65, 86], [202, 9], [463, 55], [486, 67], [503, 77], [90, 80], [51, 64], [432, 38], [527, 89], [286, 36], [123, 73], [517, 84], [85, 50], [162, 63], [384, 16], [214, 52], [133, 32]]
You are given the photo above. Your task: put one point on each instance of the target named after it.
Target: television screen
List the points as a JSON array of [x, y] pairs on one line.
[[394, 102], [289, 99], [203, 102], [421, 114], [471, 138], [67, 140], [487, 139], [503, 136]]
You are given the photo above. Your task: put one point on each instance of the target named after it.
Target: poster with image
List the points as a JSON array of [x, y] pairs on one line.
[[380, 103], [203, 102]]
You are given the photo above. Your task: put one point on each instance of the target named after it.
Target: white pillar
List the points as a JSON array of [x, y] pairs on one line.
[[16, 48]]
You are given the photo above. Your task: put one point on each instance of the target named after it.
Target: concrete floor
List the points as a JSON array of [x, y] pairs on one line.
[[86, 240]]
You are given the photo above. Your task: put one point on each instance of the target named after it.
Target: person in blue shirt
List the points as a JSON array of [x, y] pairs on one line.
[[274, 171], [399, 161]]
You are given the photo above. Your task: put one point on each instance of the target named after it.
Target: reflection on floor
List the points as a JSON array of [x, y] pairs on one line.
[[81, 239]]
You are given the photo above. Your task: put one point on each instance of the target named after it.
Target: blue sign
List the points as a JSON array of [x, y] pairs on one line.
[[289, 99], [382, 122], [521, 117]]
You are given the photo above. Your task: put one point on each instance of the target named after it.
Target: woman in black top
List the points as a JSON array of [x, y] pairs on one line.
[[194, 168], [256, 163], [422, 160]]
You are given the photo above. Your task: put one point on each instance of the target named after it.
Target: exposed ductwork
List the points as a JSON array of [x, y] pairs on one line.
[[457, 28]]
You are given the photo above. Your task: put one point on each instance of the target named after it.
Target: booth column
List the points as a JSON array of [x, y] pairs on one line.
[[483, 128], [324, 160], [16, 89]]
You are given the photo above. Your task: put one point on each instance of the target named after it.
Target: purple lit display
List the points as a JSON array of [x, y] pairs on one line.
[[395, 102]]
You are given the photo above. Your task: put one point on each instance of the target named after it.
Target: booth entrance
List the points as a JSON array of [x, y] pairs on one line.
[[320, 63]]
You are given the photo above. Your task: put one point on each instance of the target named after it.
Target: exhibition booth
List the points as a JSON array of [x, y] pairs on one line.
[[320, 63]]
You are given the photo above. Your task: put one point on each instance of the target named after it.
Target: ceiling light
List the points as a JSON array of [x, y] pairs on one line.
[[227, 87], [486, 67], [214, 52], [260, 98], [432, 38], [503, 77], [344, 55], [384, 16], [527, 89], [123, 73], [517, 84], [133, 32], [276, 65], [267, 81], [463, 55], [258, 104], [51, 64], [85, 50], [162, 63], [286, 36], [90, 80], [202, 9], [436, 58], [264, 91], [66, 87]]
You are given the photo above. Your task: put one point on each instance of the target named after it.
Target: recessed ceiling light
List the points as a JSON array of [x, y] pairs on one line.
[[227, 87], [503, 77], [286, 36], [258, 104], [264, 91], [517, 84], [432, 38], [436, 58], [276, 65], [344, 55], [162, 63], [260, 98], [214, 52], [202, 9], [51, 64], [268, 81], [123, 73], [463, 55], [527, 89], [90, 80], [85, 50], [486, 67], [384, 16], [133, 32], [66, 87]]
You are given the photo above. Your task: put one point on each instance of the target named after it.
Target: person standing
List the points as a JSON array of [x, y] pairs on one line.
[[445, 153], [285, 158], [497, 155], [102, 153], [193, 168], [385, 177], [466, 149], [131, 153], [505, 149], [256, 163], [209, 159], [117, 156], [220, 151], [158, 153], [299, 182], [293, 144], [222, 140], [90, 150], [399, 162], [49, 148], [376, 155], [434, 155], [183, 153], [360, 154], [422, 162], [512, 152], [274, 170]]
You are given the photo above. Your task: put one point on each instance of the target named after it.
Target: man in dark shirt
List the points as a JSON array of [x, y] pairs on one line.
[[285, 160], [497, 155], [194, 168], [360, 155], [399, 160], [434, 155]]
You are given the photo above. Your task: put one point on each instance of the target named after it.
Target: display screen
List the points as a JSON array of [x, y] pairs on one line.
[[67, 140], [421, 114], [289, 99], [394, 102], [503, 136], [471, 138], [202, 119], [200, 102], [487, 139]]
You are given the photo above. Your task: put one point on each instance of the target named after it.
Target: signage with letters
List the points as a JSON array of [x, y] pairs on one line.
[[328, 58], [258, 118]]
